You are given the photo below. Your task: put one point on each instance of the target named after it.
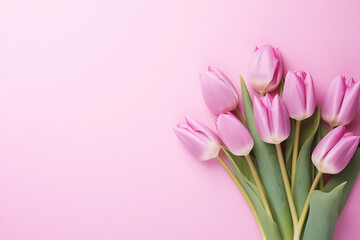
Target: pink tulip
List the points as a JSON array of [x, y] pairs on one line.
[[341, 101], [198, 139], [271, 119], [299, 95], [335, 151], [219, 93], [234, 134], [265, 69]]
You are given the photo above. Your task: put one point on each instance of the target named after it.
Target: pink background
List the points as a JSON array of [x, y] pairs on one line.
[[90, 91]]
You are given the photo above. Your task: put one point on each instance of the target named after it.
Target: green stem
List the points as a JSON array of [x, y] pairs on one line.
[[244, 193], [287, 185], [298, 229], [322, 182], [295, 153], [240, 116], [259, 185]]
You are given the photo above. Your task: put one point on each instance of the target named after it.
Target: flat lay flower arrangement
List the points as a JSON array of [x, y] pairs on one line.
[[280, 150]]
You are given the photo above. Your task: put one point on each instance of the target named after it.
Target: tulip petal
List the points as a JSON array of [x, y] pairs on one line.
[[191, 142], [226, 80], [294, 96], [198, 139], [349, 82], [310, 95], [234, 134], [325, 145], [207, 132], [278, 73], [267, 100], [262, 120], [340, 155], [198, 134], [218, 96], [280, 120], [333, 100], [263, 65], [349, 104]]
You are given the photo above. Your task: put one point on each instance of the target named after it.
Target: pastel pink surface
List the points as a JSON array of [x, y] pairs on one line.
[[90, 92]]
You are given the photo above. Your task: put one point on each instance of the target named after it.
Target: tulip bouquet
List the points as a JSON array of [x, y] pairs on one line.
[[278, 153]]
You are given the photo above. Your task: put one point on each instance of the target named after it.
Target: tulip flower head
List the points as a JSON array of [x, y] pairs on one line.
[[335, 151], [234, 134], [299, 95], [265, 69], [340, 101], [198, 139], [271, 119], [218, 91]]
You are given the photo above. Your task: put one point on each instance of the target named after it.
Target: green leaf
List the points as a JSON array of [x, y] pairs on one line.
[[243, 173], [322, 131], [269, 171], [303, 175], [289, 145], [349, 175], [324, 212], [307, 128]]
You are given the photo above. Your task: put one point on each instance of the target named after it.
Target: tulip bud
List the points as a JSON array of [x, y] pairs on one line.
[[219, 93], [198, 139], [234, 134], [335, 151], [265, 69], [341, 101], [271, 119], [299, 95]]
